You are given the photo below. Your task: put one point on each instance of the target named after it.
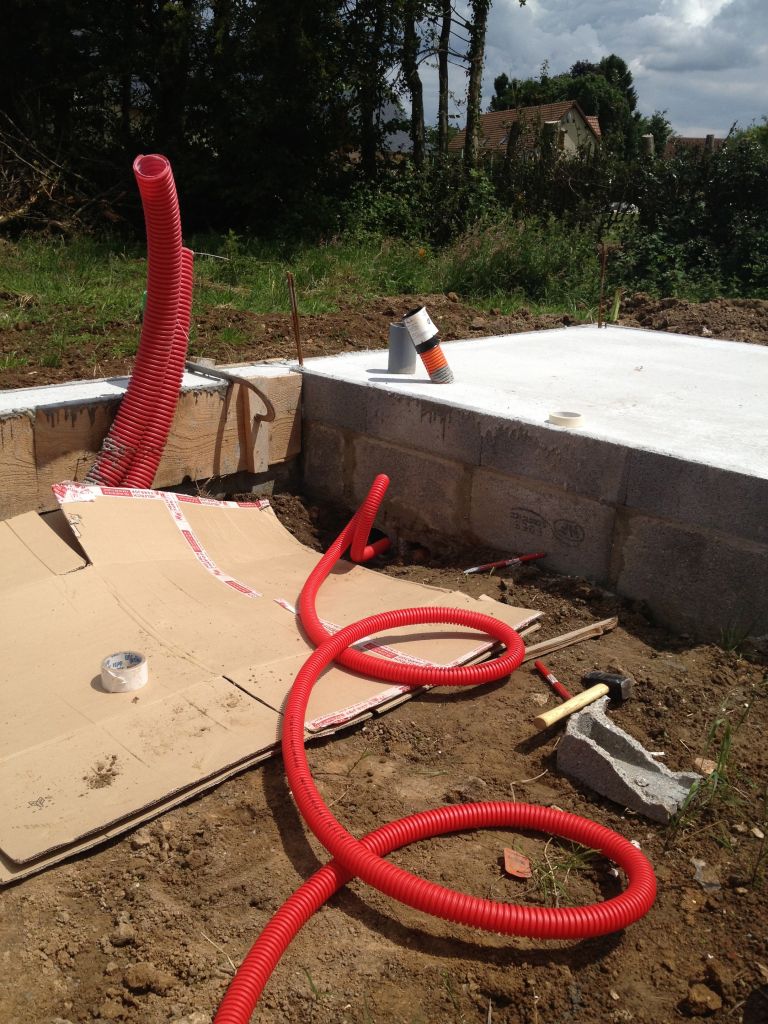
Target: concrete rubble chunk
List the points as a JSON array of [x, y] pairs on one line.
[[596, 752]]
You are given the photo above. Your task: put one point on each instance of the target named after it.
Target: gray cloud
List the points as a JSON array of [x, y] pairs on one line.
[[702, 61]]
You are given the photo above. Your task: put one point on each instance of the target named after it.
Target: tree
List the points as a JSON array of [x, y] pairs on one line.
[[604, 89], [476, 26], [475, 56], [413, 10], [442, 77]]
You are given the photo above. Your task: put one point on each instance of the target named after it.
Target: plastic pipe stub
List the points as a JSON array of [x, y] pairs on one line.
[[565, 418], [124, 671]]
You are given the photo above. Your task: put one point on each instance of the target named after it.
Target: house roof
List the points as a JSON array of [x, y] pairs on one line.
[[494, 126]]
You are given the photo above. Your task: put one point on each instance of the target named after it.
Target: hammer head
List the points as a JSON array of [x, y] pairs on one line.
[[619, 687]]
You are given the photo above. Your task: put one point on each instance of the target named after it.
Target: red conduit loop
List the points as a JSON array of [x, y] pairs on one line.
[[132, 450], [364, 858]]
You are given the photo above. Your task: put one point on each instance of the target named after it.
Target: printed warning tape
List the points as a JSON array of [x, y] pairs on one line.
[[70, 491]]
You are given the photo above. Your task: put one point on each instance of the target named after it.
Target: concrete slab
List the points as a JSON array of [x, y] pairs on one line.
[[699, 399], [659, 494], [84, 392]]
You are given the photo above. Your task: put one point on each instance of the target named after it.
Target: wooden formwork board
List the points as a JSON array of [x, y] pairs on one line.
[[216, 431]]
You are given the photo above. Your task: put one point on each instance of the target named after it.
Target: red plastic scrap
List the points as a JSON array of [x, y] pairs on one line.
[[515, 864]]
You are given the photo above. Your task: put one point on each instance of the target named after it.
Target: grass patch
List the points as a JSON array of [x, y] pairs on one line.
[[724, 796], [561, 864], [13, 361]]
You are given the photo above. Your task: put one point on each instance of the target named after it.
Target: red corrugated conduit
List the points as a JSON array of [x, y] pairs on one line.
[[364, 858], [133, 448]]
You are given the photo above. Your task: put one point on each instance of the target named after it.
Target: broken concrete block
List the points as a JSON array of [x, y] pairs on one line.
[[598, 753]]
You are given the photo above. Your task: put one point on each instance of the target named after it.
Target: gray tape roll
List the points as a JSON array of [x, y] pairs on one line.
[[124, 671]]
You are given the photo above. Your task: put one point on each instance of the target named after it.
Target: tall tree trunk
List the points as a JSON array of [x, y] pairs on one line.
[[177, 27], [476, 57], [371, 93], [413, 81], [442, 74]]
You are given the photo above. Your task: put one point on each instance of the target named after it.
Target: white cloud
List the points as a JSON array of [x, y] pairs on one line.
[[702, 61]]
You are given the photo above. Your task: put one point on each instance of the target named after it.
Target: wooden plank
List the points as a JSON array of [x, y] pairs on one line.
[[284, 393], [18, 470], [67, 441], [205, 437], [215, 432]]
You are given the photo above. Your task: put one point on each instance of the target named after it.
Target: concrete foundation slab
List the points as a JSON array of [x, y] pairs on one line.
[[659, 494]]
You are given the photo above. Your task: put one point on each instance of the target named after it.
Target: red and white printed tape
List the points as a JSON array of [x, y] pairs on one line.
[[70, 491]]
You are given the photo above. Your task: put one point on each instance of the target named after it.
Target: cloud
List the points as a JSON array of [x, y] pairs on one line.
[[701, 60]]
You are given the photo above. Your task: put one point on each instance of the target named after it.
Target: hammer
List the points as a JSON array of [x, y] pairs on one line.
[[605, 684]]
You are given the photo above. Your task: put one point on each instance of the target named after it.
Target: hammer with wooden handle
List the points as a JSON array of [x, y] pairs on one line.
[[610, 685]]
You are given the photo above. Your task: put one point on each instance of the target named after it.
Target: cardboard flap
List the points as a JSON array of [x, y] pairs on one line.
[[204, 590]]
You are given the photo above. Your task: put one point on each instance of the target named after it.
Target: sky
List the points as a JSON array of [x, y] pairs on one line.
[[704, 62]]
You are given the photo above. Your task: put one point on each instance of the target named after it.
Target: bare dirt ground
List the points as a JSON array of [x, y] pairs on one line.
[[360, 324], [149, 928]]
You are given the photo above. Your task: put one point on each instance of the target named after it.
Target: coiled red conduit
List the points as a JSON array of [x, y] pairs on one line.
[[363, 858], [133, 448]]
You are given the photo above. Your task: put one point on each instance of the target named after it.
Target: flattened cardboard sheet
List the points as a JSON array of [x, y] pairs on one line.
[[205, 590]]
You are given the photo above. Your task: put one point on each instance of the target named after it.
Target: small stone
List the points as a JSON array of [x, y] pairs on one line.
[[704, 765], [477, 324], [452, 296], [705, 875], [701, 1001], [145, 977], [140, 841], [614, 994], [470, 791], [740, 890], [123, 935], [196, 1017], [741, 828], [111, 1009], [757, 833]]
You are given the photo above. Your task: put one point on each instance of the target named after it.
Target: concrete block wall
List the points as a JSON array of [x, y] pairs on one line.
[[690, 540]]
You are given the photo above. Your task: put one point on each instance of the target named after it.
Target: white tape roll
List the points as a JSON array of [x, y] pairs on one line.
[[565, 418], [124, 671]]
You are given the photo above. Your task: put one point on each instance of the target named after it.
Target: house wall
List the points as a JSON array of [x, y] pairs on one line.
[[577, 133]]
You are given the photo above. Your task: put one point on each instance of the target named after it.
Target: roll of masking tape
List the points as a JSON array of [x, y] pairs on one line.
[[565, 418], [124, 671]]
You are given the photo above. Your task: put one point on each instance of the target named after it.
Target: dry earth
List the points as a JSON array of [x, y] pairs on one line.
[[359, 324], [147, 929]]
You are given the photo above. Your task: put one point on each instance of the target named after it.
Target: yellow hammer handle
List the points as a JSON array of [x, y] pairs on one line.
[[547, 718]]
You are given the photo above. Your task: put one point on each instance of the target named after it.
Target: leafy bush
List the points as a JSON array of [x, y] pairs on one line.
[[435, 206], [538, 259]]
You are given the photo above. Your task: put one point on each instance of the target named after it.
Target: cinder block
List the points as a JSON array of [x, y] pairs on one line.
[[693, 580], [426, 492], [324, 456], [518, 515], [562, 458], [336, 402], [414, 422], [699, 495], [596, 752]]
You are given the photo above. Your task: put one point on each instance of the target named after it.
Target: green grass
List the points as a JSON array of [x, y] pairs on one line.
[[87, 293], [726, 794]]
